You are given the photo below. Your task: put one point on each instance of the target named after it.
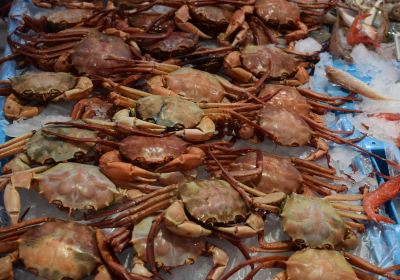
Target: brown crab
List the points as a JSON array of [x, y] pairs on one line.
[[85, 50], [253, 62], [204, 87], [72, 186], [141, 157], [70, 4], [278, 174], [32, 89], [171, 250], [313, 264], [56, 249]]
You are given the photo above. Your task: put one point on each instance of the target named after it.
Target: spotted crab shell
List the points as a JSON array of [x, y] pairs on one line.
[[76, 186], [169, 111], [278, 174], [171, 250], [42, 86], [213, 201], [195, 85], [313, 264], [47, 149], [284, 127], [268, 59], [60, 250], [313, 222]]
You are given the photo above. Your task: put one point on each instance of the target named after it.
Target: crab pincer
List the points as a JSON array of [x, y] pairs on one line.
[[372, 200]]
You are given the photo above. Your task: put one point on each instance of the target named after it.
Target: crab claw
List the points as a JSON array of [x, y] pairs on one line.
[[374, 199]]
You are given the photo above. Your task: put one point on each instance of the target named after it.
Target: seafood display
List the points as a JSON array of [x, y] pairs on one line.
[[198, 138]]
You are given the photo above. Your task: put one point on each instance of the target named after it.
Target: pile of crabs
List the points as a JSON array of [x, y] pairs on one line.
[[163, 91]]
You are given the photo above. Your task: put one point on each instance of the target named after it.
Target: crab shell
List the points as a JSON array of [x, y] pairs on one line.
[[66, 18], [170, 250], [60, 250], [268, 59], [313, 222], [212, 19], [169, 111], [277, 12], [284, 127], [176, 44], [42, 86], [213, 202], [92, 54], [278, 174], [152, 152], [76, 186], [313, 264], [203, 86], [46, 149], [286, 97]]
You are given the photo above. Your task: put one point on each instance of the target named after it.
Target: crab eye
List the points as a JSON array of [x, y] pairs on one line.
[[150, 120], [49, 161], [179, 126], [54, 91]]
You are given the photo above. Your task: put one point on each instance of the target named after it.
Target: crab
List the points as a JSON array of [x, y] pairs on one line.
[[253, 62], [56, 249], [43, 149], [92, 108], [175, 44], [40, 87], [303, 101], [171, 250], [284, 15], [85, 50], [95, 4], [279, 174], [57, 20], [204, 88], [313, 264], [72, 186], [141, 157]]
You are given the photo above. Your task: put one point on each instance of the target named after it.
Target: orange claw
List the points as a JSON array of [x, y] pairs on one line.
[[374, 199], [355, 35]]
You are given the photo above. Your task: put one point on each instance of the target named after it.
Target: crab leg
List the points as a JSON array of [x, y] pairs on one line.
[[182, 17], [135, 202], [281, 246], [360, 263], [220, 261], [278, 261], [111, 261]]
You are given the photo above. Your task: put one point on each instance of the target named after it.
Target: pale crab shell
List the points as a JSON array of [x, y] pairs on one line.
[[76, 186], [170, 250], [284, 127], [42, 86], [196, 85], [313, 264], [60, 250], [286, 97], [213, 201], [313, 222], [46, 149], [268, 59], [169, 111], [278, 174]]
